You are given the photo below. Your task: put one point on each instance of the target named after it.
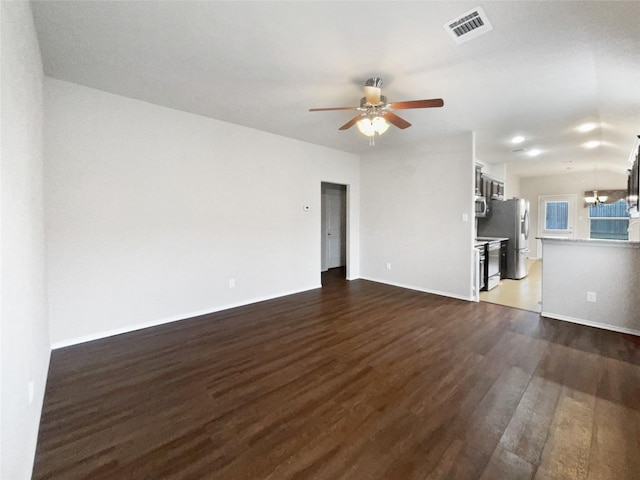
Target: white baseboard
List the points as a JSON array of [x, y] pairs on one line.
[[420, 289], [589, 323], [174, 318]]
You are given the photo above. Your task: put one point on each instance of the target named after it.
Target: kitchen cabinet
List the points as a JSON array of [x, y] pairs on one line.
[[479, 186], [503, 258], [494, 188], [492, 268], [487, 186]]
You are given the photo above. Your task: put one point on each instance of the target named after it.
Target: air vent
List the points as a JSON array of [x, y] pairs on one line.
[[519, 150], [469, 25]]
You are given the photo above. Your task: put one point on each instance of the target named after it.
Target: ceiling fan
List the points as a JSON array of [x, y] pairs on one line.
[[375, 111]]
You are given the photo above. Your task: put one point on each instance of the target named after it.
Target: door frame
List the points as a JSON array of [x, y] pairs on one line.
[[571, 198], [347, 224]]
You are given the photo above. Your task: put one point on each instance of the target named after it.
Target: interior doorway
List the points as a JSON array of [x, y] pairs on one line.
[[333, 230]]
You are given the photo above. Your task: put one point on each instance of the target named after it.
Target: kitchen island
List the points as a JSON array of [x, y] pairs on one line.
[[592, 282]]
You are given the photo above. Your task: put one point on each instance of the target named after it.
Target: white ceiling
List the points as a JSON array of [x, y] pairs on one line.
[[544, 69]]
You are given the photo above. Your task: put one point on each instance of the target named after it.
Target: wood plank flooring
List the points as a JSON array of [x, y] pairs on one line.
[[356, 380]]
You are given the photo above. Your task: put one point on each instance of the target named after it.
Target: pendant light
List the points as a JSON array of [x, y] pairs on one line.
[[595, 199]]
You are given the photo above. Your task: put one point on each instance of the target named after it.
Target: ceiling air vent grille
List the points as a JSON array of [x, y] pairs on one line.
[[469, 25]]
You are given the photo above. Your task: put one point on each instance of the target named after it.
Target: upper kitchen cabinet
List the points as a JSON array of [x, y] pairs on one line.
[[488, 186], [479, 180], [494, 188]]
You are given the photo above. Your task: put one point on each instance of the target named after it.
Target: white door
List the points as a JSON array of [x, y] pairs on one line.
[[334, 197], [556, 217]]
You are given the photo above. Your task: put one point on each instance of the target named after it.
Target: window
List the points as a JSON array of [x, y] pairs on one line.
[[556, 215], [609, 221]]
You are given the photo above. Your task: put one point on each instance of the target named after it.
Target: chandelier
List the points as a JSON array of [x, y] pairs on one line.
[[596, 199]]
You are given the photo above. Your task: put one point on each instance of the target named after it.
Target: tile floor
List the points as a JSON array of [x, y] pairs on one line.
[[525, 293]]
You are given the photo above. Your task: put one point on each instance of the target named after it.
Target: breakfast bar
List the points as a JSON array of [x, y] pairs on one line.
[[592, 282]]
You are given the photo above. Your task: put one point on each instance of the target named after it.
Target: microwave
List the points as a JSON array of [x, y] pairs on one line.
[[481, 207]]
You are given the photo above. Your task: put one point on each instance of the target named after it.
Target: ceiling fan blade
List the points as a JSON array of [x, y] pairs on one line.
[[396, 120], [331, 108], [350, 123], [434, 102]]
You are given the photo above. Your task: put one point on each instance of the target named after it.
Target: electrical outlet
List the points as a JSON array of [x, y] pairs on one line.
[[232, 282], [388, 266], [591, 297]]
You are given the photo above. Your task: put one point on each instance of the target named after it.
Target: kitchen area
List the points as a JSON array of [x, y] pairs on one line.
[[505, 274]]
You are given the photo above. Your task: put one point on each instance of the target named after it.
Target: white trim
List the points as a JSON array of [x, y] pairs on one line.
[[572, 202], [174, 318], [419, 289], [589, 323]]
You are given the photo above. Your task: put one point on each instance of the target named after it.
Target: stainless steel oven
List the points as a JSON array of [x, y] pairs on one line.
[[493, 264], [481, 265]]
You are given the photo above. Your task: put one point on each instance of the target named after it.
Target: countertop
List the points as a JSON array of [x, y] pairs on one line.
[[590, 242], [484, 240]]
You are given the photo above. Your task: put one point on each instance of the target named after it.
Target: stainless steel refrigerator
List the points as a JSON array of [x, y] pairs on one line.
[[509, 219]]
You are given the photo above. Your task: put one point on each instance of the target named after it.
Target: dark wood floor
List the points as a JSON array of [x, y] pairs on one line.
[[356, 380]]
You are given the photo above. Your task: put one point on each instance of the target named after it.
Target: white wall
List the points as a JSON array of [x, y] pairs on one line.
[[511, 185], [413, 199], [25, 335], [496, 170], [634, 229], [609, 269], [576, 183], [150, 212]]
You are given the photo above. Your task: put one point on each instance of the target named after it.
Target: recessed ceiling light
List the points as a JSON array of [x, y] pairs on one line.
[[534, 152], [586, 127], [591, 144], [517, 139]]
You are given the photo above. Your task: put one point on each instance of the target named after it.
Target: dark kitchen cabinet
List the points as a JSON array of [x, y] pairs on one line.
[[503, 258], [491, 188], [495, 189], [479, 189]]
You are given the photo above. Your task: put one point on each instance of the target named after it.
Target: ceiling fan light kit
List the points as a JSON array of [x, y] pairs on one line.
[[376, 114], [371, 126]]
